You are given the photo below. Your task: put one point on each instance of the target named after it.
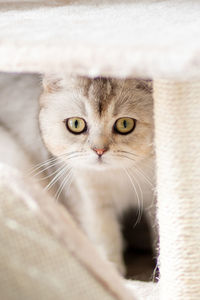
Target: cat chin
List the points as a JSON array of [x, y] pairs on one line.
[[97, 165], [96, 168], [100, 165]]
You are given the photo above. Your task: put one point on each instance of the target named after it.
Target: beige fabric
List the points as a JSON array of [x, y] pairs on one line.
[[145, 38], [43, 255], [34, 265], [177, 123]]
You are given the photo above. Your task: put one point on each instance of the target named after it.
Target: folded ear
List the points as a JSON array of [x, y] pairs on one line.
[[51, 83], [150, 84]]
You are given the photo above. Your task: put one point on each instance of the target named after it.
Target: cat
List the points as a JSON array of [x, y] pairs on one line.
[[100, 134], [104, 164]]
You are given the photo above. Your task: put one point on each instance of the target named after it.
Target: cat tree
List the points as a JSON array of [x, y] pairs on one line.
[[42, 248]]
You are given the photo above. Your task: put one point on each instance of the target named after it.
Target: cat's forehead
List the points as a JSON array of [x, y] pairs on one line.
[[121, 95], [99, 93]]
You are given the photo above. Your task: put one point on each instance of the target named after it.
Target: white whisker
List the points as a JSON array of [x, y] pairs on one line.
[[56, 178], [40, 165], [57, 161], [137, 197], [62, 185], [144, 176], [51, 174], [141, 192], [47, 167], [51, 160]]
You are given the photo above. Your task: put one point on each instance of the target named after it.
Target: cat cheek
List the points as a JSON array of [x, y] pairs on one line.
[[43, 102]]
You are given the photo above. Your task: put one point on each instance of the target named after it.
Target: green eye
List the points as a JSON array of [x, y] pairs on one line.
[[125, 125], [76, 125]]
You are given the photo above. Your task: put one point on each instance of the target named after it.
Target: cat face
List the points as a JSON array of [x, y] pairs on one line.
[[97, 123]]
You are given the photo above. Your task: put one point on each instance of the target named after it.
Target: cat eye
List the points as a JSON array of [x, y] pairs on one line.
[[76, 125], [124, 125]]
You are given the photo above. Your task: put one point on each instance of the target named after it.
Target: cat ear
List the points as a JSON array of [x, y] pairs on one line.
[[51, 83], [144, 85], [150, 85]]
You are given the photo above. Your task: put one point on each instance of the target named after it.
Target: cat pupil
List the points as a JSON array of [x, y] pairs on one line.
[[125, 124], [76, 124]]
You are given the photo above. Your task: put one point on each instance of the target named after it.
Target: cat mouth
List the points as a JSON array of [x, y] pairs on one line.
[[100, 160]]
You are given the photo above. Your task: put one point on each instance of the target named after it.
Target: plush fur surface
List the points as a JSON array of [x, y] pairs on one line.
[[112, 38]]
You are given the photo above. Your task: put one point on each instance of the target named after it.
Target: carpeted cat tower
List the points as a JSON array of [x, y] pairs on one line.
[[43, 255]]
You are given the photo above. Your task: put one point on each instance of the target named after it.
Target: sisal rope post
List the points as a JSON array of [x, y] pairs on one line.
[[177, 139]]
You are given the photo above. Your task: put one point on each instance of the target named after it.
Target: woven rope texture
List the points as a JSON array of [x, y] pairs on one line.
[[177, 133]]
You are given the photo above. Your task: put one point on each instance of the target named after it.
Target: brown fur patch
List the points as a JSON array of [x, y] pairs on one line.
[[100, 92]]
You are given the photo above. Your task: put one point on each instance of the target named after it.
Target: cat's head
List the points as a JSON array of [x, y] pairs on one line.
[[97, 123]]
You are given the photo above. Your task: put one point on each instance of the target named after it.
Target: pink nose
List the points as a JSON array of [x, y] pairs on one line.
[[99, 152]]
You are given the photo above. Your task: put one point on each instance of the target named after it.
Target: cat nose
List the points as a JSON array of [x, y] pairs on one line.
[[99, 152]]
